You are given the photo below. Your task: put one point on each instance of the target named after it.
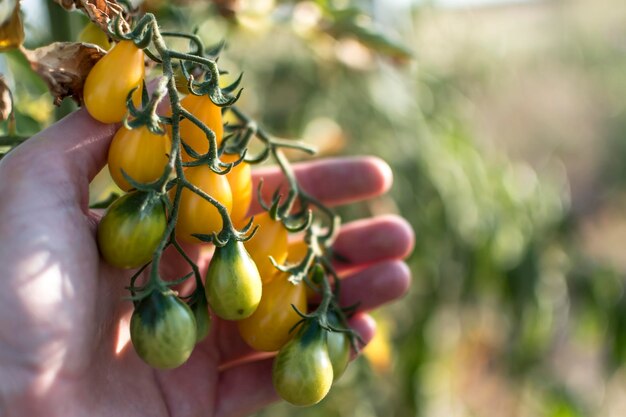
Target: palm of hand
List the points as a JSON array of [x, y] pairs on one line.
[[64, 329]]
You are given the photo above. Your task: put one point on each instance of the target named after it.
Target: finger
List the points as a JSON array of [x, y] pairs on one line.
[[80, 141], [245, 388], [376, 285], [364, 325], [368, 241], [232, 348], [333, 181]]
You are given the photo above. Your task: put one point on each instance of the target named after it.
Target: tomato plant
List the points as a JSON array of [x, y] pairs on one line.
[[233, 285], [302, 373], [131, 229], [269, 240], [197, 215], [208, 113], [140, 153], [163, 330], [111, 79], [241, 282], [267, 329]]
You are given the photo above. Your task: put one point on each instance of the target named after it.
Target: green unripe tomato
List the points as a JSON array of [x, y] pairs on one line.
[[131, 230], [302, 373], [233, 285], [163, 330], [338, 345]]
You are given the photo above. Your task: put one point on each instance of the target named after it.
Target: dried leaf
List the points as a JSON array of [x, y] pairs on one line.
[[64, 67], [101, 12], [6, 104]]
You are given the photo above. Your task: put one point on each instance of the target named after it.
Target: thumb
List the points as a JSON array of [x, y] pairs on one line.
[[61, 159]]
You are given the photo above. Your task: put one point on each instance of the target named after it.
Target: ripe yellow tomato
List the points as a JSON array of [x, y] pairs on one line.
[[208, 113], [269, 240], [297, 251], [140, 153], [196, 215], [267, 329], [240, 180], [110, 81]]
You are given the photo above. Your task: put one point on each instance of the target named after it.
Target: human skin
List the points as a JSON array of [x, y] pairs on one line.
[[64, 318]]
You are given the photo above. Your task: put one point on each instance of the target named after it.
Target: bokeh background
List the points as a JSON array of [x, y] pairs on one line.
[[505, 125]]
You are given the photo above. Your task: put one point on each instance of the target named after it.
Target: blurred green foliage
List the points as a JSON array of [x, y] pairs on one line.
[[508, 313]]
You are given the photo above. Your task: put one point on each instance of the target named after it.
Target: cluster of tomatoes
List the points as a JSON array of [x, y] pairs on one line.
[[241, 282]]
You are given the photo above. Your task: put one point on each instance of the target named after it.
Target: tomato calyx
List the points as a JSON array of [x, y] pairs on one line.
[[310, 332], [188, 74], [222, 97], [141, 35], [146, 115], [228, 233]]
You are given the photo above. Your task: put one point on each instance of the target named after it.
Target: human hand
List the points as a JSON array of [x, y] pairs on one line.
[[63, 318]]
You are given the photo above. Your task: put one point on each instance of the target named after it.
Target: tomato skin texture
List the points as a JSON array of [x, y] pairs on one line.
[[297, 251], [233, 285], [196, 215], [338, 345], [163, 330], [111, 79], [208, 113], [128, 236], [267, 329], [203, 319], [269, 240], [240, 180], [140, 153], [302, 373]]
